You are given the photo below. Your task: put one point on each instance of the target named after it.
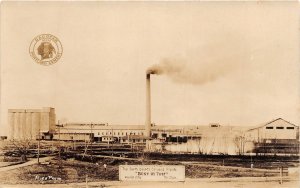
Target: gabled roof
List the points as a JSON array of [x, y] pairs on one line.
[[273, 121], [282, 120]]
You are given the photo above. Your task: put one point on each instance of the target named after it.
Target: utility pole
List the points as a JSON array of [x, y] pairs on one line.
[[107, 141], [281, 173], [59, 144], [112, 143], [86, 178], [39, 138], [73, 141], [91, 138], [59, 156]]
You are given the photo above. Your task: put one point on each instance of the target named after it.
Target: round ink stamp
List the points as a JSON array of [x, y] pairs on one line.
[[45, 49]]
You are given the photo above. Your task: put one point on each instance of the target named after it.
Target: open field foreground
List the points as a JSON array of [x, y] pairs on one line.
[[77, 168], [73, 172]]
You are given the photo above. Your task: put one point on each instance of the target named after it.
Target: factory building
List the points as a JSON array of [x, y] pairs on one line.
[[139, 139], [31, 123], [164, 132], [278, 130], [97, 132], [277, 136], [100, 132]]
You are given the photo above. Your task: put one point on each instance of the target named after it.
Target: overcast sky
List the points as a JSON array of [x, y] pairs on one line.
[[109, 46]]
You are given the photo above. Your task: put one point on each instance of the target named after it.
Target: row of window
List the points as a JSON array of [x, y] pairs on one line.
[[107, 139], [135, 140], [279, 127], [120, 134]]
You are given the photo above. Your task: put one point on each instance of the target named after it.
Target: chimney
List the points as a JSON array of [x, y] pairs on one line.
[[148, 106]]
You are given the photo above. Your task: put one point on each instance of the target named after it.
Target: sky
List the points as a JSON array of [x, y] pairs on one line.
[[233, 63]]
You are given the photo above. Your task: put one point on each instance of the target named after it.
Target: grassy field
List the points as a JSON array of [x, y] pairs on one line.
[[73, 170], [73, 167]]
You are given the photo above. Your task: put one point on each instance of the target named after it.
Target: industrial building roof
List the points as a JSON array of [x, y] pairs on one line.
[[102, 126], [275, 122]]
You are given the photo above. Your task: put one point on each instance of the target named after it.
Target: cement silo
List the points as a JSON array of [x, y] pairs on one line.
[[28, 123]]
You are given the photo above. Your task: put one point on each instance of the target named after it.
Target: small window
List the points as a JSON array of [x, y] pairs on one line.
[[269, 127], [290, 128], [279, 127]]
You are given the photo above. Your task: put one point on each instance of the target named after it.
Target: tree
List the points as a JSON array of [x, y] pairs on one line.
[[22, 147]]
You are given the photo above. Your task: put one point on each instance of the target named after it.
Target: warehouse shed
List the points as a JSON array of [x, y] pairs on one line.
[[277, 136], [278, 129]]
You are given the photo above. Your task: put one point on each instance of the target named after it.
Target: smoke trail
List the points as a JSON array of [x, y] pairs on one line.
[[203, 65]]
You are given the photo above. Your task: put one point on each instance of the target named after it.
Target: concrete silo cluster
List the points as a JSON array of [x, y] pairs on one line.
[[28, 123]]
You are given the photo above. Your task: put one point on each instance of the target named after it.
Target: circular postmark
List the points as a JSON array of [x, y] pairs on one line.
[[45, 49]]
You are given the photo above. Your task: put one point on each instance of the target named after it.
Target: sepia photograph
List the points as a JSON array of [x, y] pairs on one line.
[[143, 94]]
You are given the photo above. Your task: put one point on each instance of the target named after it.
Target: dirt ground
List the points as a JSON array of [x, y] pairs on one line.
[[72, 170]]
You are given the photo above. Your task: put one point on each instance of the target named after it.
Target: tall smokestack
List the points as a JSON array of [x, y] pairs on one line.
[[148, 105]]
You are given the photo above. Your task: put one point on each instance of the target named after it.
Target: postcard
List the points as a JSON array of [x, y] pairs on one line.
[[149, 93]]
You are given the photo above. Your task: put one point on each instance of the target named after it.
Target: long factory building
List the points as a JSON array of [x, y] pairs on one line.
[[99, 132]]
